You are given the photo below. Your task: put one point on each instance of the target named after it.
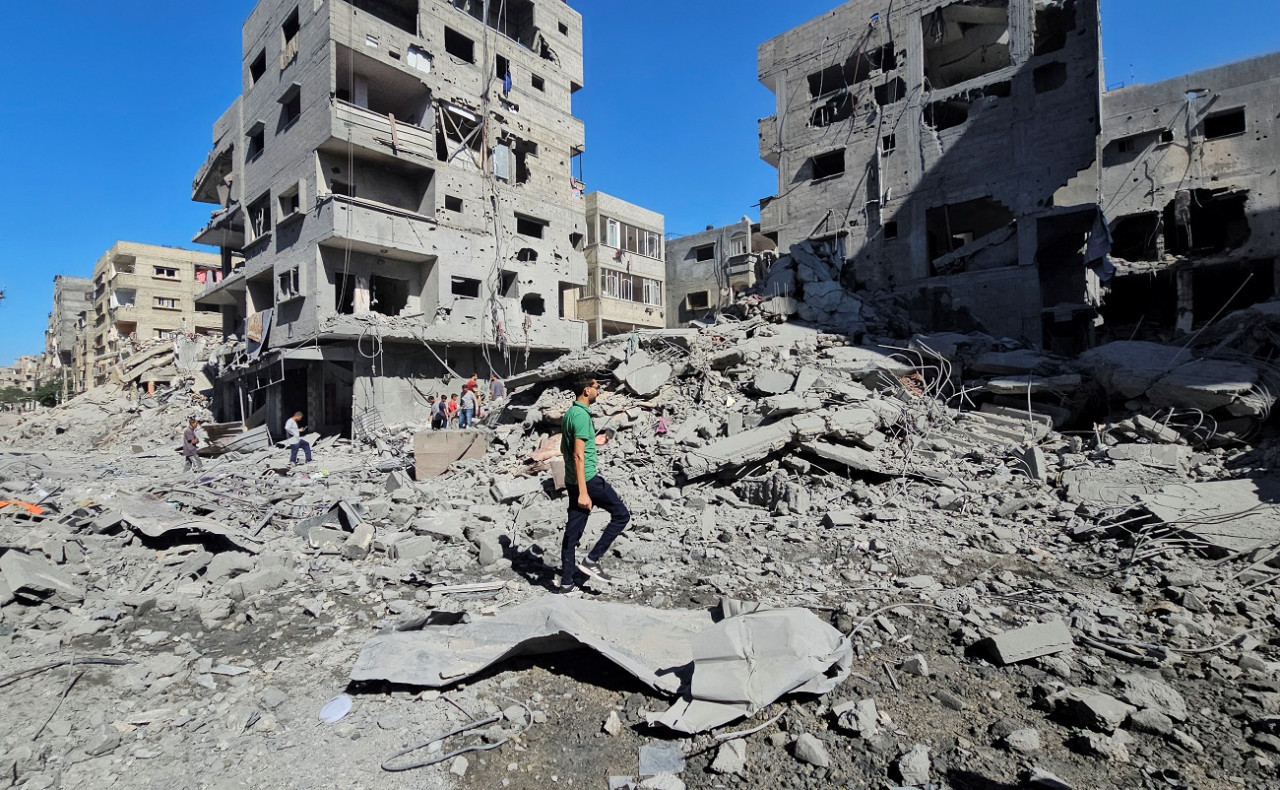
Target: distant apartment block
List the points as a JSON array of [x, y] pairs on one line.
[[706, 271], [23, 374], [625, 272], [72, 300], [140, 293], [398, 175]]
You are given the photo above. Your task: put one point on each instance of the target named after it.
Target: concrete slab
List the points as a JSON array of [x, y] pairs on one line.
[[35, 578], [435, 451], [1032, 641]]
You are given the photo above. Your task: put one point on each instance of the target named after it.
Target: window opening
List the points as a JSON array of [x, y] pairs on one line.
[[345, 293], [533, 304], [698, 300], [1049, 77], [826, 165], [464, 287], [288, 284], [255, 142], [258, 68], [290, 201], [388, 295], [893, 91], [964, 41], [1225, 124], [1053, 22], [452, 203], [888, 144], [289, 39], [706, 252], [459, 45], [260, 216], [530, 227]]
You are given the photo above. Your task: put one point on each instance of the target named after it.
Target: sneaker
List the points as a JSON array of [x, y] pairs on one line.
[[571, 591], [593, 570]]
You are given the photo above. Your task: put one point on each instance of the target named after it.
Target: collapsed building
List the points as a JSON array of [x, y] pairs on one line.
[[1189, 185], [72, 300], [397, 175]]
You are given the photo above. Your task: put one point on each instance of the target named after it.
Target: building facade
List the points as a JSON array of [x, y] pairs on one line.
[[398, 177], [72, 300], [706, 271], [23, 374], [922, 149], [626, 277], [142, 293], [1190, 186]]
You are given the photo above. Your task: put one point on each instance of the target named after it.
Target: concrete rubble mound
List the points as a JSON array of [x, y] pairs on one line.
[[933, 559]]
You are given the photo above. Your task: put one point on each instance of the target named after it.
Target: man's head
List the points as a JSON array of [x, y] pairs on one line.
[[453, 396], [586, 389], [297, 416], [193, 422], [431, 399], [493, 377]]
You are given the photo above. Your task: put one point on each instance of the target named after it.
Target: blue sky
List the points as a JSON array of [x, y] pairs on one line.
[[110, 105]]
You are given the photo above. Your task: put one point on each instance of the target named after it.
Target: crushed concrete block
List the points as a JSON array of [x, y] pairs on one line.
[[1087, 708], [227, 564], [1155, 431], [1157, 456], [412, 547], [915, 766], [358, 542], [435, 451], [1032, 641], [731, 757], [438, 527], [789, 403], [646, 380], [661, 758], [852, 457], [257, 582], [31, 577], [842, 518], [859, 717], [734, 451], [1031, 462], [505, 490], [490, 546], [808, 749], [773, 382], [1152, 694]]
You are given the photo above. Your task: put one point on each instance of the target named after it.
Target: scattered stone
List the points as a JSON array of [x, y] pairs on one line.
[[915, 766], [1032, 641], [731, 757], [809, 749]]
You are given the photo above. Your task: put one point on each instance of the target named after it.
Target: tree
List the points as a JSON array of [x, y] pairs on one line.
[[12, 395]]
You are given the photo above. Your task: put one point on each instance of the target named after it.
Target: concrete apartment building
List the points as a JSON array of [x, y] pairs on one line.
[[706, 271], [23, 374], [1190, 187], [72, 299], [626, 275], [922, 147], [141, 293], [398, 176]]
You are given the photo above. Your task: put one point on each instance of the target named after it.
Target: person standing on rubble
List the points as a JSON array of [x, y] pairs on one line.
[[293, 432], [451, 410], [191, 447], [438, 418], [497, 390], [467, 408], [587, 489]]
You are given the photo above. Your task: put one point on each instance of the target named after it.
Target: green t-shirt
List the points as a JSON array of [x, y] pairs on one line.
[[577, 425]]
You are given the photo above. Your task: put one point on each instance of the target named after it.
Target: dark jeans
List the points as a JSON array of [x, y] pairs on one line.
[[602, 496], [304, 445]]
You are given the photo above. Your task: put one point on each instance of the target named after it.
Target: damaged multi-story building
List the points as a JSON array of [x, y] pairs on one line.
[[398, 177], [922, 145], [1189, 185], [142, 293], [706, 271], [72, 300]]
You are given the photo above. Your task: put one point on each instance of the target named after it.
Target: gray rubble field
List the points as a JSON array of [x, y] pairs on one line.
[[934, 562]]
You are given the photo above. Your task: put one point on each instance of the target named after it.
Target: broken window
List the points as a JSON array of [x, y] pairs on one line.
[[255, 142], [964, 41], [530, 227], [1205, 221], [1138, 237], [955, 110], [533, 304], [893, 91], [826, 165], [698, 300], [953, 226], [527, 255], [345, 293], [890, 230], [288, 284], [507, 285], [858, 68], [838, 108], [459, 45], [290, 107], [1126, 149], [452, 203], [167, 272], [1054, 20], [511, 18], [1049, 77], [260, 216], [258, 68], [457, 130], [388, 295], [290, 201], [418, 58], [538, 82], [365, 82], [404, 186], [523, 149], [1225, 124], [575, 241], [400, 13], [705, 252], [888, 144], [289, 39], [464, 287], [563, 28]]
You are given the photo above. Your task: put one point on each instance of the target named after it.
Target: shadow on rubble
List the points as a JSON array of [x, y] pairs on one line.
[[968, 780]]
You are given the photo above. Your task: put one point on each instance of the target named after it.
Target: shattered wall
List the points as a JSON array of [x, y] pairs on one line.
[[923, 147], [1191, 193], [383, 182]]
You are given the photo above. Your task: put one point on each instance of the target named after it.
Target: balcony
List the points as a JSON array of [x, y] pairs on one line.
[[382, 133], [767, 128], [375, 228], [225, 229]]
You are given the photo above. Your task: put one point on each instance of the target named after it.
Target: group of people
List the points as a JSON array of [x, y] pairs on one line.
[[579, 441], [462, 409]]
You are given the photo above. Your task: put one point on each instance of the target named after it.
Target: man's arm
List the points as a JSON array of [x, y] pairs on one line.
[[580, 468]]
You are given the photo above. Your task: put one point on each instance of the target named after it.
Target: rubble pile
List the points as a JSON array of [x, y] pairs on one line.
[[938, 562]]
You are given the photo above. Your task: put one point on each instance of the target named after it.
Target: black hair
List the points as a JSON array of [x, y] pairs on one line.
[[581, 383]]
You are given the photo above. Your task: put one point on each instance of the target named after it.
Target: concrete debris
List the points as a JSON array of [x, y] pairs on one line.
[[857, 511]]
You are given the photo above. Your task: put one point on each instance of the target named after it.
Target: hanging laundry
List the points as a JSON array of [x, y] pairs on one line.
[[506, 82]]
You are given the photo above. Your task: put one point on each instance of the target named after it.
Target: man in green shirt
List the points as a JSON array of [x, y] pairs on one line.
[[587, 489]]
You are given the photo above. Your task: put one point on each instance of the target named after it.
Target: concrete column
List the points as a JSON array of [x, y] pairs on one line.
[[1186, 294]]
